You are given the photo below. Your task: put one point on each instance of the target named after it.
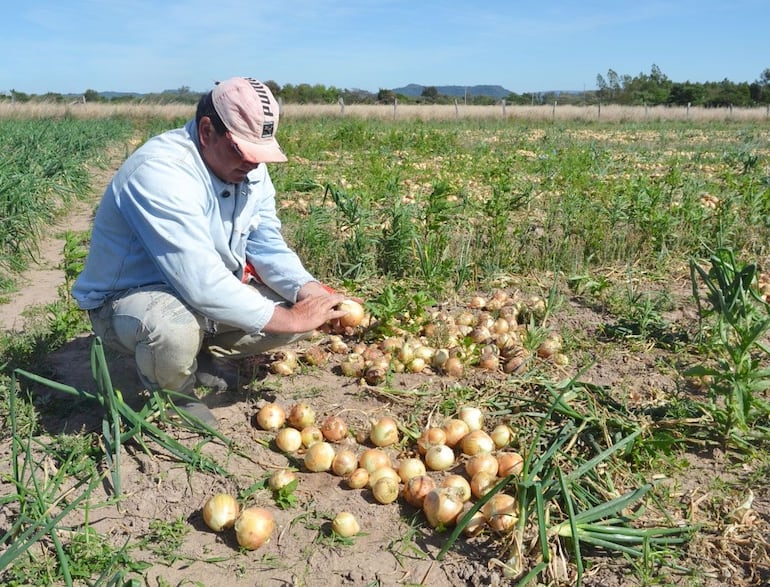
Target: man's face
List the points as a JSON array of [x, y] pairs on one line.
[[222, 155]]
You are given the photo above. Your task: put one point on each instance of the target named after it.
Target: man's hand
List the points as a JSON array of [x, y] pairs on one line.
[[309, 313]]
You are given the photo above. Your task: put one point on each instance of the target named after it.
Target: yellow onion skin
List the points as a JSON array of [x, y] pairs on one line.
[[271, 417], [334, 429], [454, 431], [476, 524], [417, 488], [319, 457], [442, 506], [281, 478], [477, 442], [354, 316], [358, 479], [385, 490], [220, 512], [344, 462], [381, 473], [500, 512], [301, 415], [288, 440], [439, 457], [254, 527], [410, 467], [510, 463], [459, 483], [345, 524], [482, 462], [384, 432], [374, 458]]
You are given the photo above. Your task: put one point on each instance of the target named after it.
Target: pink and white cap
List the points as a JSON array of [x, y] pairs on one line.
[[250, 112]]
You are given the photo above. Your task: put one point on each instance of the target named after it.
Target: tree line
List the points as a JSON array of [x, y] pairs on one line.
[[651, 89]]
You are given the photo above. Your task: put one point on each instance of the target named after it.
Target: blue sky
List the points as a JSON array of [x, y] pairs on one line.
[[69, 46]]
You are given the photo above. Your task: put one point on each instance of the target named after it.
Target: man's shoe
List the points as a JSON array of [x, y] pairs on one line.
[[214, 375]]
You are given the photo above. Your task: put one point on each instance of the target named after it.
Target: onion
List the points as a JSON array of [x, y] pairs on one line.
[[482, 482], [454, 431], [472, 416], [384, 432], [502, 435], [476, 524], [374, 458], [417, 488], [385, 490], [271, 417], [500, 512], [477, 442], [288, 440], [381, 473], [454, 367], [301, 415], [442, 506], [354, 316], [254, 527], [431, 436], [482, 462], [345, 524], [439, 457], [510, 463], [283, 368], [319, 457], [334, 429], [337, 345], [375, 375], [220, 511], [358, 479], [281, 478], [315, 356], [440, 357], [353, 365], [410, 467], [344, 463], [459, 483], [311, 435]]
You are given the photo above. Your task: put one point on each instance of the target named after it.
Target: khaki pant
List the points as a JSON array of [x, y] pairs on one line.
[[165, 335]]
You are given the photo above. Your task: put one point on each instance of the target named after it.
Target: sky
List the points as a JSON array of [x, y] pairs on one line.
[[70, 46]]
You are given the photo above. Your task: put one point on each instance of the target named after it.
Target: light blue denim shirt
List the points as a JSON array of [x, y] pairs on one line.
[[165, 218]]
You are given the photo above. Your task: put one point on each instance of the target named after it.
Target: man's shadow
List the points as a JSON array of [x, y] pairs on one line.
[[61, 412]]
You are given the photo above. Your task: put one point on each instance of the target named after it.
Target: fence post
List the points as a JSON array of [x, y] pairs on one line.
[[395, 107], [599, 111], [646, 108], [504, 112], [341, 102], [553, 114], [457, 111], [688, 110]]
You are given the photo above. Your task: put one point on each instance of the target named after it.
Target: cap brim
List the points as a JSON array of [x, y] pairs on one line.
[[267, 151]]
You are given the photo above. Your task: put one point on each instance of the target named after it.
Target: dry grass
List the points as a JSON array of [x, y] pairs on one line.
[[609, 113]]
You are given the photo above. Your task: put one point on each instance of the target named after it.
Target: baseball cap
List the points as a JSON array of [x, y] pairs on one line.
[[250, 112]]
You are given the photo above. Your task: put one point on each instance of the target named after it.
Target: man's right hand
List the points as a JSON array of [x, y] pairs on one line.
[[307, 314]]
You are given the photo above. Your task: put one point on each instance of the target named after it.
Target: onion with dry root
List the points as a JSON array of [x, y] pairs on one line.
[[220, 512], [301, 415], [288, 440], [254, 527], [319, 457]]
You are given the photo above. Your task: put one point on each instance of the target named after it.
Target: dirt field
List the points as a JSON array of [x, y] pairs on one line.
[[396, 546]]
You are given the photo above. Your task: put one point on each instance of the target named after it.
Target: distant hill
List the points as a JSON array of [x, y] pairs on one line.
[[415, 90]]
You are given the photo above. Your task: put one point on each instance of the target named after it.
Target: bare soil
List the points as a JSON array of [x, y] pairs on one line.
[[396, 547]]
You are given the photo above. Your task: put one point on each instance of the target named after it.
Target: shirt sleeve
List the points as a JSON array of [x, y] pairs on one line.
[[277, 265]]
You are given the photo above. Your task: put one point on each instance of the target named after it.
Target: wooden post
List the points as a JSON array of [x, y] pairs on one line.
[[646, 110], [504, 112], [457, 111], [688, 110], [341, 102], [553, 114], [395, 107], [599, 114]]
